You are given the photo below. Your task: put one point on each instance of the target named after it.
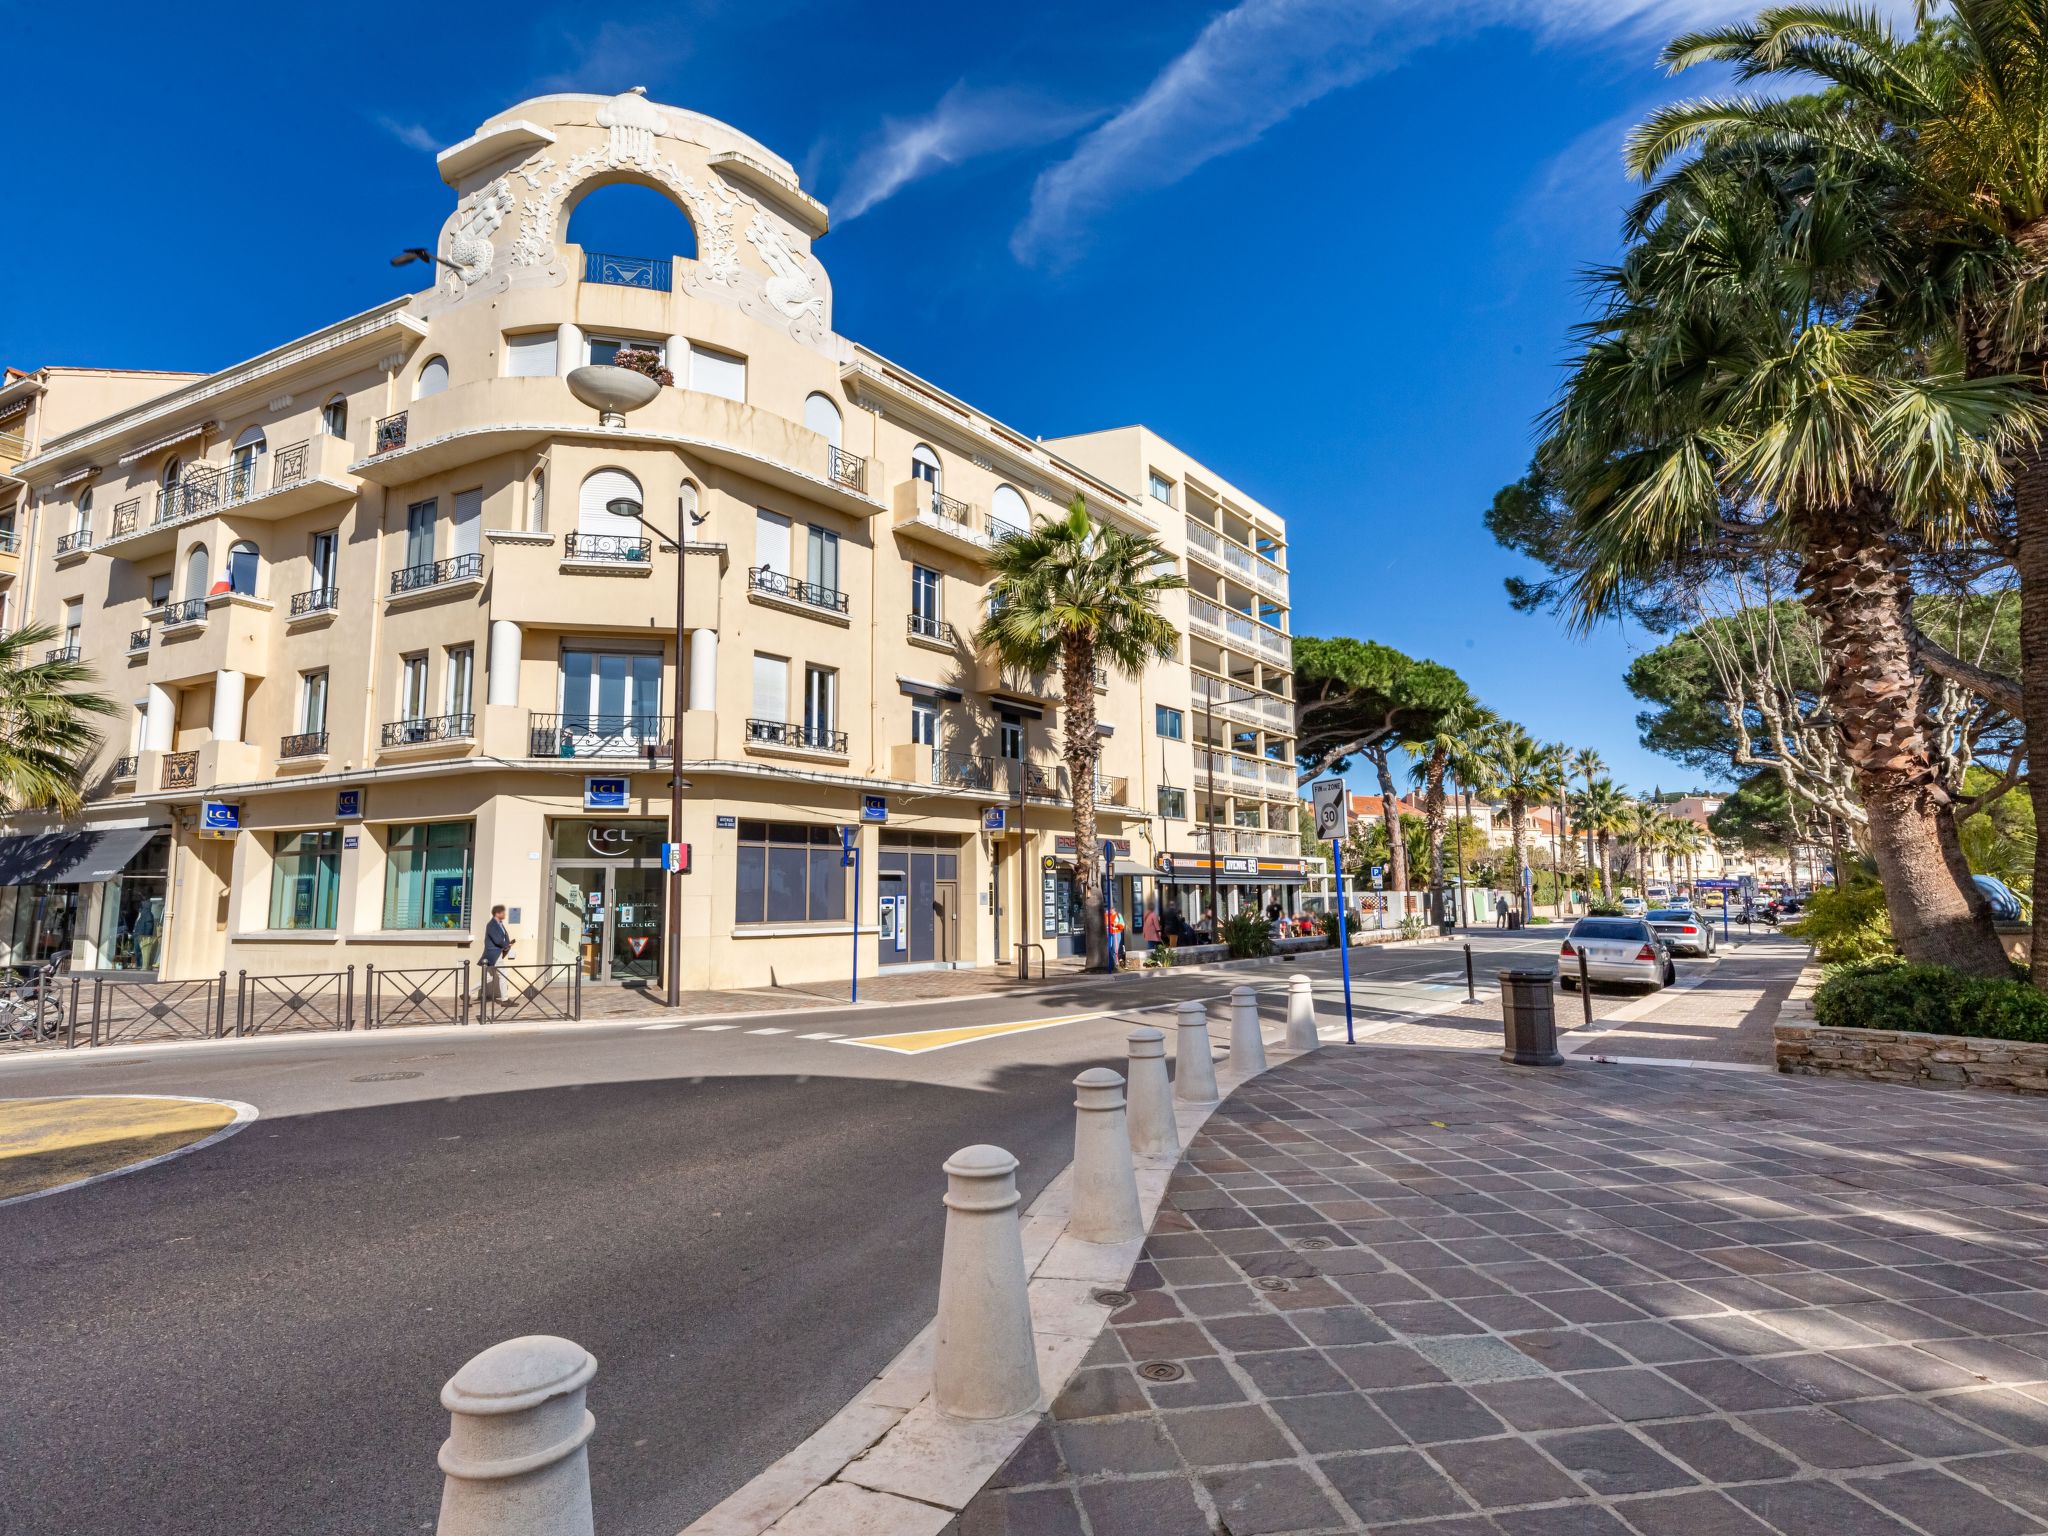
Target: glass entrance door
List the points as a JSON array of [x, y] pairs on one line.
[[610, 921], [636, 937]]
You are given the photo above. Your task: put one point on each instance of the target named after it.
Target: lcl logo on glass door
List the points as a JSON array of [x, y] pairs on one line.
[[609, 841]]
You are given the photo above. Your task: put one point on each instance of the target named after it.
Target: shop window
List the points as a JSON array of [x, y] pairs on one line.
[[789, 874], [427, 875], [305, 882]]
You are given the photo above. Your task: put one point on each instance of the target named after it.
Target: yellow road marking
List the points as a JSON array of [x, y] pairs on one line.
[[53, 1143], [920, 1041]]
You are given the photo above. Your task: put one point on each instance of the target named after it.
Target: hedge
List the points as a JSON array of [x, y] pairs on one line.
[[1931, 1000]]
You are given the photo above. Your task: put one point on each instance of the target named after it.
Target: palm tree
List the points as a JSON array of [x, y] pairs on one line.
[[1734, 404], [1588, 764], [1520, 770], [1561, 764], [1685, 838], [1077, 594], [45, 735], [1953, 126], [1450, 753], [1600, 812]]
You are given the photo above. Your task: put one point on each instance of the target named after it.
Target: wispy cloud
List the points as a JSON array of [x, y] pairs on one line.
[[614, 57], [411, 135], [965, 125]]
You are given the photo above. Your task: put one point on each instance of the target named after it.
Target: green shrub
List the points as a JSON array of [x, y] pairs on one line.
[[1411, 926], [1931, 1000], [1248, 934], [1849, 926], [1602, 907]]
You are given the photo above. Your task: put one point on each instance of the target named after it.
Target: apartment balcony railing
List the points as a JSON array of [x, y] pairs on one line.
[[607, 548], [655, 272], [1041, 781], [124, 767], [587, 735], [427, 728], [390, 433], [1281, 774], [847, 469], [6, 541], [191, 611], [127, 517], [62, 653], [1109, 791], [238, 482], [931, 629], [180, 770], [304, 744], [196, 495], [773, 583], [74, 543], [1002, 532], [1243, 767], [319, 600], [138, 640], [1204, 613], [951, 511], [963, 770], [437, 573], [790, 733], [289, 464]]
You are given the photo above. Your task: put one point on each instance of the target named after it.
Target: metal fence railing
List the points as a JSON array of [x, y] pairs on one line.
[[429, 995], [158, 1010], [279, 1004], [510, 992]]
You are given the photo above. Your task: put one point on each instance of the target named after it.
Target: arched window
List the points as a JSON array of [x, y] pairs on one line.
[[172, 468], [243, 561], [334, 417], [82, 518], [593, 514], [198, 571], [924, 465], [822, 417], [433, 378], [244, 461], [1007, 512]]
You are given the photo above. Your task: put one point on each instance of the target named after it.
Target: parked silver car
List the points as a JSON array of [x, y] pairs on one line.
[[1684, 931], [1618, 949]]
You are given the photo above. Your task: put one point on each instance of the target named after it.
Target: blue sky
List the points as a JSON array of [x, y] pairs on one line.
[[1330, 246]]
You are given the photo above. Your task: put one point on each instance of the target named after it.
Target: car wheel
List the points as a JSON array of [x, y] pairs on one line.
[[1569, 983], [1670, 974]]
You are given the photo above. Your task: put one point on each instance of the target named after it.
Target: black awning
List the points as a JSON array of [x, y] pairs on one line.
[[23, 859], [97, 856]]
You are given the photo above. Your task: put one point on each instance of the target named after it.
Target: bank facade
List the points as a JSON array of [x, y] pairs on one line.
[[400, 624]]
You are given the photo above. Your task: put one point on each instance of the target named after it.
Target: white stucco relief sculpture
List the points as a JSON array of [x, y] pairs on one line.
[[470, 242], [789, 287]]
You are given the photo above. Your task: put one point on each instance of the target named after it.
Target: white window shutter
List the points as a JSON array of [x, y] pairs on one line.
[[530, 355], [466, 532], [822, 417], [599, 491], [771, 541], [771, 688], [718, 373]]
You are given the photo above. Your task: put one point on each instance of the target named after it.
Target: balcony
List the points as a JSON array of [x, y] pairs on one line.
[[935, 633], [602, 597], [229, 631], [304, 744], [62, 654], [124, 770], [1042, 781], [608, 550], [922, 513], [916, 764], [127, 517], [180, 770], [991, 676], [455, 571], [586, 735], [319, 601], [138, 641], [847, 469], [76, 543], [427, 730], [390, 433], [653, 272], [791, 736], [778, 590], [191, 611], [301, 477]]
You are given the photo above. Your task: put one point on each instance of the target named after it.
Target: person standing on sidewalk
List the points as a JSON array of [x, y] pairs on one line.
[[1113, 920], [1500, 912], [1153, 928], [497, 945]]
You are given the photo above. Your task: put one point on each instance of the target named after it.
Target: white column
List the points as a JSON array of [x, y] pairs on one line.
[[568, 347], [503, 683], [159, 719], [679, 359], [227, 705], [703, 669]]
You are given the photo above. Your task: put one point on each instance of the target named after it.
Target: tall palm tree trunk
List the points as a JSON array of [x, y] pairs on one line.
[[1518, 814], [1607, 865], [2030, 499], [1861, 598], [1433, 825], [1082, 749]]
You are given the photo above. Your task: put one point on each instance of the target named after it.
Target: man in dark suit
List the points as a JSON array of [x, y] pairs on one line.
[[497, 945]]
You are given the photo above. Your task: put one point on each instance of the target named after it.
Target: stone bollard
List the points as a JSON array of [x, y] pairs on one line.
[[1105, 1208], [1194, 1065], [514, 1462], [1153, 1133], [1247, 1044], [984, 1360], [1301, 1014]]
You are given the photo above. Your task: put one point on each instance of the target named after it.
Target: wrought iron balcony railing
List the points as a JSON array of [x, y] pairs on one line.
[[790, 733], [319, 600], [773, 583], [656, 272], [931, 629], [304, 744], [62, 653], [436, 573], [1041, 781], [238, 482], [180, 770], [191, 611], [847, 469], [391, 433], [74, 543], [138, 640], [196, 495], [127, 516], [607, 548], [289, 464], [587, 735], [408, 733], [963, 770], [124, 767]]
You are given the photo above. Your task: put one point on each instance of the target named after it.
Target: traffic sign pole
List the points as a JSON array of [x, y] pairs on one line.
[[1333, 813], [1344, 948], [849, 854]]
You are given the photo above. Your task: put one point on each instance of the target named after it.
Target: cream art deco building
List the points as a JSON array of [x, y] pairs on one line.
[[393, 611]]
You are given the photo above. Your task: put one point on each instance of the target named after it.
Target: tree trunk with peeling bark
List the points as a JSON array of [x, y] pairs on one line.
[[1860, 594], [1390, 811]]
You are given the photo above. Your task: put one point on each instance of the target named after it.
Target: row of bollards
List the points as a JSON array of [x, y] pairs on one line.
[[515, 1460]]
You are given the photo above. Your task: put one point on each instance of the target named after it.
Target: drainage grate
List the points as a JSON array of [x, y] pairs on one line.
[[1112, 1299], [1161, 1370], [1315, 1244], [385, 1077], [1274, 1283]]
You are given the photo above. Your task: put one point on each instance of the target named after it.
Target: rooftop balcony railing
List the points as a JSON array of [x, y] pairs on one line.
[[436, 573], [791, 733], [654, 272], [773, 583], [421, 729], [587, 735]]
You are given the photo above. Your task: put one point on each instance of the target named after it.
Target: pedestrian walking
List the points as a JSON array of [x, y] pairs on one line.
[[1173, 925], [497, 946], [1152, 928], [1500, 911], [1114, 922]]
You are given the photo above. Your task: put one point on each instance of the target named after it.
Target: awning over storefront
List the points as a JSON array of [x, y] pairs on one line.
[[70, 858], [1232, 869]]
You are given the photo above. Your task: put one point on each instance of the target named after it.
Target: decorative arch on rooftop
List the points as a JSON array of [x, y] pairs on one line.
[[625, 212]]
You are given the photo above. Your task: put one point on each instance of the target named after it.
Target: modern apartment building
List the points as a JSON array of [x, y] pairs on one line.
[[403, 611]]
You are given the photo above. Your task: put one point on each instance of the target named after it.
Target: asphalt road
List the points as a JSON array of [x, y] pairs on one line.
[[742, 1227]]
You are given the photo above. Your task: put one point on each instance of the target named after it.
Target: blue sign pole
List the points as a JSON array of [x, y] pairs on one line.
[[1344, 947], [849, 853]]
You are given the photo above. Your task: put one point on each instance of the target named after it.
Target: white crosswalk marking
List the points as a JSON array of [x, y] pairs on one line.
[[819, 1037], [709, 1029], [767, 1031], [661, 1026]]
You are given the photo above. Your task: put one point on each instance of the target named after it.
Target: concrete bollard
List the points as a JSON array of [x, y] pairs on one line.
[[1301, 1014], [1194, 1064], [1247, 1044], [984, 1361], [1105, 1208], [1153, 1133], [514, 1462]]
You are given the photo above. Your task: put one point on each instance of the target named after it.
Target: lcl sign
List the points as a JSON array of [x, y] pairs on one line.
[[612, 842]]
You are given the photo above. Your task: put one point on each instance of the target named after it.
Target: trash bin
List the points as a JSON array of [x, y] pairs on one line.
[[1514, 918], [1529, 1015]]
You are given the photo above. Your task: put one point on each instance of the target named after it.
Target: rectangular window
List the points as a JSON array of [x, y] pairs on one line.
[[924, 722], [1160, 487], [924, 599], [1173, 803], [466, 531], [771, 541], [461, 666], [427, 875], [789, 874], [821, 704], [822, 563], [718, 373], [419, 534], [325, 551], [771, 688], [313, 702], [159, 590], [530, 355], [1167, 722], [74, 621], [305, 882], [607, 692], [604, 348], [412, 687], [1010, 736]]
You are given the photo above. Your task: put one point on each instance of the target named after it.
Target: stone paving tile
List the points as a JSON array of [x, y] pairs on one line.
[[1597, 1301]]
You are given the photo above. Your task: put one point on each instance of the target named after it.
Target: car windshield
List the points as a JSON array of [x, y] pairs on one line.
[[1672, 915], [1609, 928]]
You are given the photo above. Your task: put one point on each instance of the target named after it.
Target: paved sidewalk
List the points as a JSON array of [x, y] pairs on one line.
[[1420, 1291]]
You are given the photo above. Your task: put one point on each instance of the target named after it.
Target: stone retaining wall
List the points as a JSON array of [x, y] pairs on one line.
[[1901, 1056]]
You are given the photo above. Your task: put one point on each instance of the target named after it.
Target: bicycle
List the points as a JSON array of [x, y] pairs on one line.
[[32, 1009]]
